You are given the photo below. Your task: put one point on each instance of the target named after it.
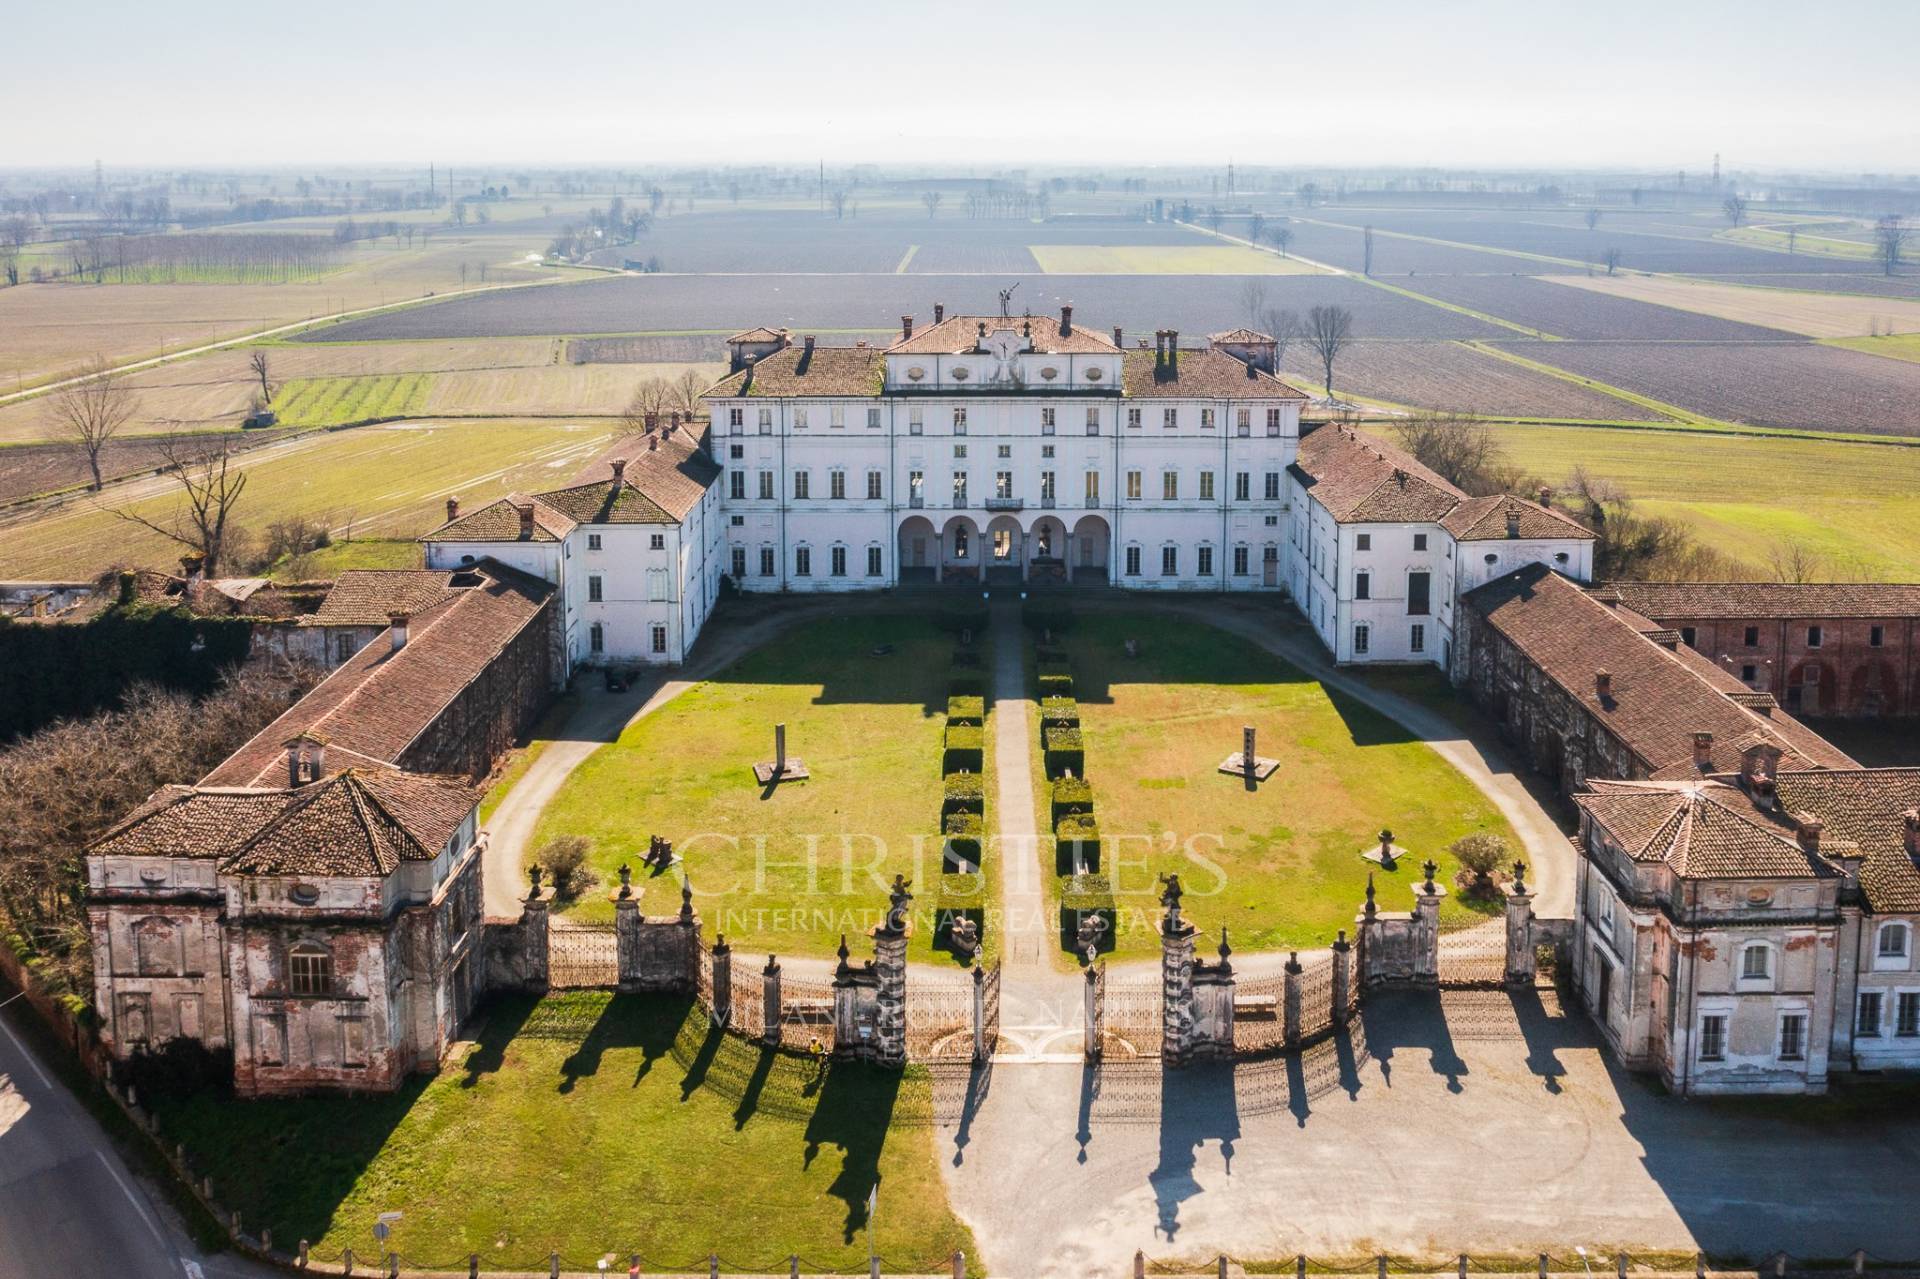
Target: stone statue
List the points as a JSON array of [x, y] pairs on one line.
[[964, 933], [1170, 898], [1093, 928], [1519, 877], [897, 899]]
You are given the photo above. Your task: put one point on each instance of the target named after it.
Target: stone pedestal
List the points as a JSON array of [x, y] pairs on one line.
[[770, 999], [1520, 947], [535, 949], [1176, 991], [1426, 932], [890, 996], [721, 977]]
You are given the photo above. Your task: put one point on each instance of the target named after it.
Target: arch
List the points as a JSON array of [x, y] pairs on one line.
[[1047, 549], [1810, 688], [1873, 689], [309, 969], [917, 550], [1004, 552], [961, 554], [1090, 553]]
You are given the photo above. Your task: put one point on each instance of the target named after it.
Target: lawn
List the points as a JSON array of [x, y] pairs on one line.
[[329, 401], [1164, 259], [594, 1126], [1895, 346], [330, 561], [1281, 866], [792, 870]]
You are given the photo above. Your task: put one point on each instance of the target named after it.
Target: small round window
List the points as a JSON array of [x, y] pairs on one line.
[[304, 894]]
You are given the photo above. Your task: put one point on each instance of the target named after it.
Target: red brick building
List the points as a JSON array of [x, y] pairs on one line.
[[1821, 648]]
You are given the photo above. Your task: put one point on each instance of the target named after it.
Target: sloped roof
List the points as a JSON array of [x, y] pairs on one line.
[[1203, 373], [1659, 698], [792, 371], [1702, 829], [673, 475], [1866, 806], [367, 596], [606, 502], [1482, 519], [1361, 480], [1239, 337], [380, 700], [760, 334], [1737, 600], [959, 334], [500, 522]]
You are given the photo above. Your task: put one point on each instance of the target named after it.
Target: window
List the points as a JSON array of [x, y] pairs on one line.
[[959, 488], [310, 970], [1169, 561], [1242, 486], [916, 422], [1362, 636], [1046, 450], [1814, 636], [1206, 486], [1876, 636], [1273, 421], [593, 588], [1046, 488], [766, 421], [1866, 1022], [1419, 541], [837, 561], [1793, 1037], [1686, 636], [1093, 488], [1753, 637], [960, 420], [1239, 561], [1892, 942], [1756, 963], [1363, 586], [1170, 419], [960, 543], [916, 487], [1906, 1014], [1243, 422], [343, 648], [873, 419], [1093, 421], [837, 486], [1133, 561], [1004, 451], [801, 485], [1133, 419], [837, 417], [659, 638], [874, 483], [1170, 486], [739, 562], [1205, 566], [1419, 588], [1003, 484], [799, 419], [1749, 672], [736, 418], [1206, 419], [597, 638], [1273, 486], [593, 541], [959, 450], [1363, 541], [766, 486], [657, 584], [737, 486], [766, 561], [803, 561], [1133, 486], [1417, 639], [1713, 1037], [657, 542], [1046, 420], [874, 566]]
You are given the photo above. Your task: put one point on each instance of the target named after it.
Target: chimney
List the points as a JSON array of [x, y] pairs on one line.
[[1911, 821], [652, 422], [1066, 320], [1757, 765], [453, 509], [1159, 346], [306, 760], [1807, 830], [746, 383], [619, 470], [1513, 524], [526, 520], [1603, 685], [653, 444], [1252, 372], [397, 627], [1703, 751], [1546, 497], [1119, 338], [806, 347], [906, 327], [939, 312], [1173, 344]]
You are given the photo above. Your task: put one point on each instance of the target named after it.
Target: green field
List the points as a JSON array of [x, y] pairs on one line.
[[363, 552], [1895, 346], [1161, 259], [1855, 505], [792, 870], [379, 481], [329, 401], [594, 1126], [1279, 867]]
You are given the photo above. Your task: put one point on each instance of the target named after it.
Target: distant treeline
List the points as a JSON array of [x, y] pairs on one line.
[[237, 258]]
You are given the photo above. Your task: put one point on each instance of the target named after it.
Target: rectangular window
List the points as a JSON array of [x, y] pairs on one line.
[[1749, 672], [837, 416], [874, 483], [803, 561], [1243, 422], [837, 486], [1686, 636], [766, 561], [1046, 488], [1093, 421], [1133, 561], [1046, 450], [1272, 488], [959, 488], [1003, 484], [874, 567], [659, 638], [736, 451], [837, 561], [1363, 541], [1206, 486], [1046, 420], [1814, 636], [1867, 1022], [916, 488], [873, 419], [799, 419], [1170, 419], [1170, 486], [1273, 421], [737, 486], [1754, 963], [1876, 636], [1363, 586], [739, 562], [959, 450], [960, 420], [1239, 561], [1133, 419], [310, 972], [916, 420], [1242, 486], [593, 588], [1753, 637], [1906, 1014], [1793, 1037], [1169, 561], [343, 648], [597, 638], [1361, 636], [1419, 541], [1419, 586], [1133, 486], [1713, 1037], [1205, 565], [1206, 419], [736, 418], [766, 421], [1417, 641], [766, 486], [657, 542], [1005, 451], [656, 584], [593, 541], [1093, 488], [800, 486]]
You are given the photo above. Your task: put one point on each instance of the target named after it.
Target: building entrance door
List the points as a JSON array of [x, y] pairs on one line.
[[1270, 566], [919, 552]]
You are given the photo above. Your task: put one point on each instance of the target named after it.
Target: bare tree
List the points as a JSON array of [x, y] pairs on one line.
[[932, 200], [1461, 450], [1253, 299], [1612, 258], [1284, 328], [1735, 207], [89, 412], [1282, 237], [1328, 332], [258, 361], [1890, 236], [1593, 218], [1255, 226], [686, 391], [210, 489], [1793, 561], [652, 397], [838, 198], [1793, 238]]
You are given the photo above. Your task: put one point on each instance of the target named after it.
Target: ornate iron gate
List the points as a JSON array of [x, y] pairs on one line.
[[748, 995], [1132, 1016], [1096, 1011], [990, 1010], [940, 1020], [806, 1014], [1474, 957], [1260, 1014], [582, 955]]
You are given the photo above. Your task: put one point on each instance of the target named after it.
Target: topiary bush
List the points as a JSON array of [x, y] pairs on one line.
[[1480, 855], [966, 709], [1061, 711], [1071, 795], [1042, 616], [1056, 684], [965, 684], [1080, 896], [1077, 841], [1064, 751], [965, 792], [965, 745], [962, 833]]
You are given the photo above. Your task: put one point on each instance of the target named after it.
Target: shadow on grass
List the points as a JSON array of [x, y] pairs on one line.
[[853, 1112]]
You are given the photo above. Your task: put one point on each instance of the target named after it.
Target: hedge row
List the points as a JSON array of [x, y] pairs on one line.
[[1056, 684], [963, 798], [966, 708]]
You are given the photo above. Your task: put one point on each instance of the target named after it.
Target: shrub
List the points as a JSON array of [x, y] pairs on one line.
[[1064, 750], [963, 823], [1060, 710], [1072, 795], [1041, 616], [965, 792], [1056, 684], [1081, 829], [1082, 895], [966, 709], [1480, 855], [564, 857], [963, 833], [965, 744]]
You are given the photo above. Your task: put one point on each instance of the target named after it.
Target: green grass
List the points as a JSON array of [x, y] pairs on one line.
[[1280, 867], [543, 735], [788, 871], [1895, 346], [1856, 505], [360, 552], [328, 401], [594, 1125]]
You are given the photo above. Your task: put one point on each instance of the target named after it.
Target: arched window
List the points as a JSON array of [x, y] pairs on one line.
[[960, 542], [310, 970]]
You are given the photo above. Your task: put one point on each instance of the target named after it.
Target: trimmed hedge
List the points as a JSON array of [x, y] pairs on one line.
[[955, 620], [1052, 661], [1071, 795], [1063, 750], [1082, 895], [965, 792], [1077, 833], [1060, 711], [965, 747], [963, 709], [1040, 616], [1056, 684], [963, 833]]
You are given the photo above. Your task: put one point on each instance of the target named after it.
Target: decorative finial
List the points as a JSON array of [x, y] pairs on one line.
[[1519, 877], [1225, 949], [1429, 867], [626, 881], [533, 877], [1371, 908]]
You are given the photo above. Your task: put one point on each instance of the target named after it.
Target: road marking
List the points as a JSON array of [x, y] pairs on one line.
[[32, 1065], [133, 1199]]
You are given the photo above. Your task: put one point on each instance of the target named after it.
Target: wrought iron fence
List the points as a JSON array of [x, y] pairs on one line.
[[1259, 1014], [1475, 956], [1133, 1017], [940, 1019], [582, 955], [806, 1014], [1316, 996], [748, 984], [990, 1010]]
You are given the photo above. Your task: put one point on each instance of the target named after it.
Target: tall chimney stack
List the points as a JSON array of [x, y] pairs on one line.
[[939, 312], [1119, 338], [1066, 320], [453, 509], [1546, 497], [526, 521], [906, 327], [1703, 750], [397, 627], [806, 345], [1603, 684], [619, 470]]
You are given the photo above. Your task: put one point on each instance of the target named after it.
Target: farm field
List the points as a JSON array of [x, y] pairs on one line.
[[1456, 378], [1820, 315], [1889, 286], [555, 390], [1556, 312], [1898, 346], [1797, 386], [376, 480], [26, 469], [678, 304], [1140, 259], [935, 259], [1342, 247], [1856, 505]]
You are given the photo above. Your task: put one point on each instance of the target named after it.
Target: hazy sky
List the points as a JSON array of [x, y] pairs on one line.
[[1661, 83]]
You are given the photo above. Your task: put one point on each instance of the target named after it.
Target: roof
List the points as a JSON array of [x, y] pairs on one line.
[[369, 596], [500, 522], [1702, 829], [373, 707], [353, 824], [1481, 519], [1240, 337], [760, 334], [673, 475], [1771, 599], [960, 334], [1203, 373], [1658, 697], [793, 370], [1360, 480], [1866, 806]]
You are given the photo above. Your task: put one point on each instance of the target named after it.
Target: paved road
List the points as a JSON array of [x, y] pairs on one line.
[[69, 1205]]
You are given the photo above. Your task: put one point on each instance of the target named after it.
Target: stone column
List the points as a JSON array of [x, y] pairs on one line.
[[979, 1013], [722, 980], [626, 932], [846, 1006], [1290, 999], [890, 997], [1213, 992], [770, 999], [1520, 954], [1176, 978], [1426, 933], [1090, 1031], [1366, 932], [1342, 978], [688, 922], [534, 945]]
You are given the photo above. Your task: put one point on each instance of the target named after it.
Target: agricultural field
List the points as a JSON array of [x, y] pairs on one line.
[[324, 401], [385, 481], [1856, 505], [1141, 259], [1820, 315], [1599, 314], [554, 391], [1898, 346], [1343, 247], [1880, 286], [959, 259], [1796, 386], [27, 469], [1459, 379]]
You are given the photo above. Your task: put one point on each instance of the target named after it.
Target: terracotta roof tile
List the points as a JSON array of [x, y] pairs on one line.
[[674, 476], [1702, 829], [1866, 806], [1362, 480], [1771, 599], [1480, 519], [500, 522], [958, 334], [829, 370], [1204, 374], [366, 596]]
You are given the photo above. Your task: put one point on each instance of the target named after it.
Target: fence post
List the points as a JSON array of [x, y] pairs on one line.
[[536, 946], [1176, 983], [1543, 1266], [1090, 1025], [1342, 978], [770, 1000], [1380, 1265], [1290, 1004], [1699, 1265], [979, 1012], [393, 1265], [1463, 1266], [713, 1266], [1426, 933], [873, 1268], [1859, 1261], [626, 940], [1300, 1266], [303, 1254], [1223, 1266], [1620, 1266], [553, 1265], [722, 962], [346, 1261], [473, 1265], [793, 1265]]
